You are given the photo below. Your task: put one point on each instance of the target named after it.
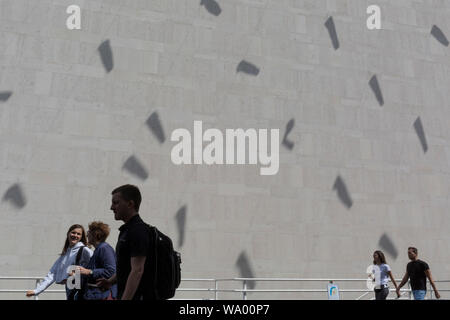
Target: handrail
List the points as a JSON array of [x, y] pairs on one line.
[[244, 290]]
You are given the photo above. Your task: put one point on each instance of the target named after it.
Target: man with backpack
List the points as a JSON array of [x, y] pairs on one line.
[[135, 269], [147, 266]]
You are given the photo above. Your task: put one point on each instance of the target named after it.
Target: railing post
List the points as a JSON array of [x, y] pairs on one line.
[[35, 296], [244, 296], [215, 289]]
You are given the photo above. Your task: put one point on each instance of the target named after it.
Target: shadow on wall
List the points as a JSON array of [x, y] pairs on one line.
[[421, 134], [180, 217], [5, 95], [15, 196], [133, 166], [342, 192], [212, 6], [106, 55], [154, 124], [288, 144], [376, 90], [329, 24], [439, 35], [243, 264], [388, 246], [248, 68]]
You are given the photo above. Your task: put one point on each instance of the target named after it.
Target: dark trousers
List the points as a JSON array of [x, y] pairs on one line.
[[381, 294]]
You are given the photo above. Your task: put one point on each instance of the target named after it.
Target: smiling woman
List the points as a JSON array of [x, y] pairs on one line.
[[75, 241]]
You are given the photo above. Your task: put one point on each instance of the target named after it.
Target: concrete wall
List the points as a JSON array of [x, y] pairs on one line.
[[358, 177]]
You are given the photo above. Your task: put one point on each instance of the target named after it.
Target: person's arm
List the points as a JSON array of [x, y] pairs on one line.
[[46, 282], [43, 285], [105, 265], [106, 284], [393, 281], [428, 274], [137, 270], [404, 280]]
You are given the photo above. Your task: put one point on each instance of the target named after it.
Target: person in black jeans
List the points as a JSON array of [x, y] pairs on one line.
[[135, 273], [417, 271]]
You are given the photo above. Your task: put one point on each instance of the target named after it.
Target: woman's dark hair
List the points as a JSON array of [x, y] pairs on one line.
[[83, 237], [380, 256], [129, 192], [99, 230]]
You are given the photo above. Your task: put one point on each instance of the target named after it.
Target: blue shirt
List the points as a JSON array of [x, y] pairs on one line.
[[103, 265]]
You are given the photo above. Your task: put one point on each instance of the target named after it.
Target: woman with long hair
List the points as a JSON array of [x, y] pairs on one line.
[[75, 240], [381, 273]]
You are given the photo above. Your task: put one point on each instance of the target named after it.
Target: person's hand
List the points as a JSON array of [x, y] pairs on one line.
[[84, 271], [398, 292], [103, 284], [81, 270], [438, 296], [30, 293]]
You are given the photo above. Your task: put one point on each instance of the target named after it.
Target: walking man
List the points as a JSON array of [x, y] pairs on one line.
[[134, 272], [417, 271]]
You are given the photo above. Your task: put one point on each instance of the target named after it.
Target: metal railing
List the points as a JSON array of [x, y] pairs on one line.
[[242, 287]]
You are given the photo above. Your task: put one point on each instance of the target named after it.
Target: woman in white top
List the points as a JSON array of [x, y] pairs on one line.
[[76, 239], [381, 274]]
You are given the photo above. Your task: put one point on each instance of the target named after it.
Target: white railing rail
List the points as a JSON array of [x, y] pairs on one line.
[[242, 285]]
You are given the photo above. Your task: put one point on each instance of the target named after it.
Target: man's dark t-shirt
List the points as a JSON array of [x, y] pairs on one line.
[[416, 271], [135, 241]]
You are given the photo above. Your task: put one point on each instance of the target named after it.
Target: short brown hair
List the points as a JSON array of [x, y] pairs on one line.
[[130, 193], [413, 249], [99, 230]]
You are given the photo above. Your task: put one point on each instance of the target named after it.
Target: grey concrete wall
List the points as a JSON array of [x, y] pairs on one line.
[[358, 177]]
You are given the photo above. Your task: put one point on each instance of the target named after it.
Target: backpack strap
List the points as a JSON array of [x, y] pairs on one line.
[[79, 253], [154, 234]]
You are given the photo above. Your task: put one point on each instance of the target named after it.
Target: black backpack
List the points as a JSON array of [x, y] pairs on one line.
[[167, 266]]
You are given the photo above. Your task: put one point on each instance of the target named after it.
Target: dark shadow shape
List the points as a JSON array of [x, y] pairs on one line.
[[212, 6], [329, 24], [288, 144], [388, 246], [15, 195], [342, 192], [439, 35], [106, 55], [133, 166], [4, 96], [421, 134], [248, 68], [245, 270], [155, 126], [376, 90], [181, 224]]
